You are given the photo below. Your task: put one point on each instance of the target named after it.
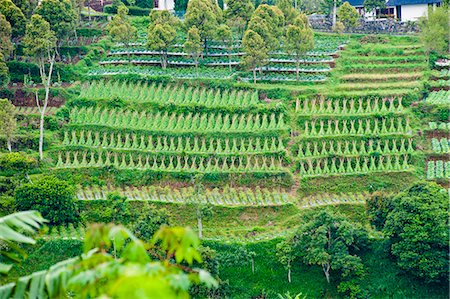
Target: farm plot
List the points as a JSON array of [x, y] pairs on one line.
[[181, 140], [345, 137], [223, 197], [281, 66], [441, 97], [438, 170], [395, 66]]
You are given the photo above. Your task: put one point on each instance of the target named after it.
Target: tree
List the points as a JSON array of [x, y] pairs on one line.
[[286, 256], [121, 30], [256, 52], [417, 225], [289, 12], [158, 269], [330, 240], [193, 45], [161, 33], [202, 210], [330, 7], [8, 124], [53, 198], [373, 5], [348, 15], [268, 22], [14, 16], [4, 72], [6, 45], [238, 14], [435, 30], [12, 228], [225, 35], [27, 7], [60, 15], [40, 44], [205, 15], [299, 40]]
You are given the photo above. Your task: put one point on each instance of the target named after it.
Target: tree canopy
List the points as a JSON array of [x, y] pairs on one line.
[[60, 15], [205, 15], [14, 16], [435, 30], [331, 241], [6, 45], [417, 226], [348, 15]]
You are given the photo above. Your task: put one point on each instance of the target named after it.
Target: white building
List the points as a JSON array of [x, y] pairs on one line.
[[164, 4], [403, 10]]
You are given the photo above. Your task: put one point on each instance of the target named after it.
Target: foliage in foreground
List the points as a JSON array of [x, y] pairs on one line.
[[116, 264]]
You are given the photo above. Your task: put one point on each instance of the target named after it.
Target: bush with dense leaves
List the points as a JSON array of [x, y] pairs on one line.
[[53, 198], [149, 223], [17, 162], [418, 227]]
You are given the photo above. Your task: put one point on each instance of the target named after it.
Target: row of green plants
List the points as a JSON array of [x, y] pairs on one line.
[[438, 170], [177, 73], [441, 97], [312, 167], [360, 126], [164, 94], [439, 126], [333, 199], [441, 146], [226, 196], [361, 106], [195, 144], [170, 163], [25, 110], [178, 122], [282, 77], [353, 147]]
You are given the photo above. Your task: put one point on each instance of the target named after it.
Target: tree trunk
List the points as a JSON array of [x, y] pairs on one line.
[[200, 227], [297, 68], [46, 80], [253, 265], [334, 12], [254, 75], [326, 270], [8, 143], [289, 274], [229, 61]]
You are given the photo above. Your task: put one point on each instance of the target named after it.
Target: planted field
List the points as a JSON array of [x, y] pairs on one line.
[[441, 146], [332, 199], [439, 98], [226, 196], [348, 136], [437, 170], [394, 66], [168, 94], [182, 140], [281, 65]]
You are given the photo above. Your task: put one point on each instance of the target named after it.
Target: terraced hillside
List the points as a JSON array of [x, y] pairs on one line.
[[175, 130], [393, 67], [222, 62]]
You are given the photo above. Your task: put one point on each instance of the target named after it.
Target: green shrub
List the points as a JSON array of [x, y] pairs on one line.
[[17, 162], [54, 198], [150, 221], [7, 205]]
